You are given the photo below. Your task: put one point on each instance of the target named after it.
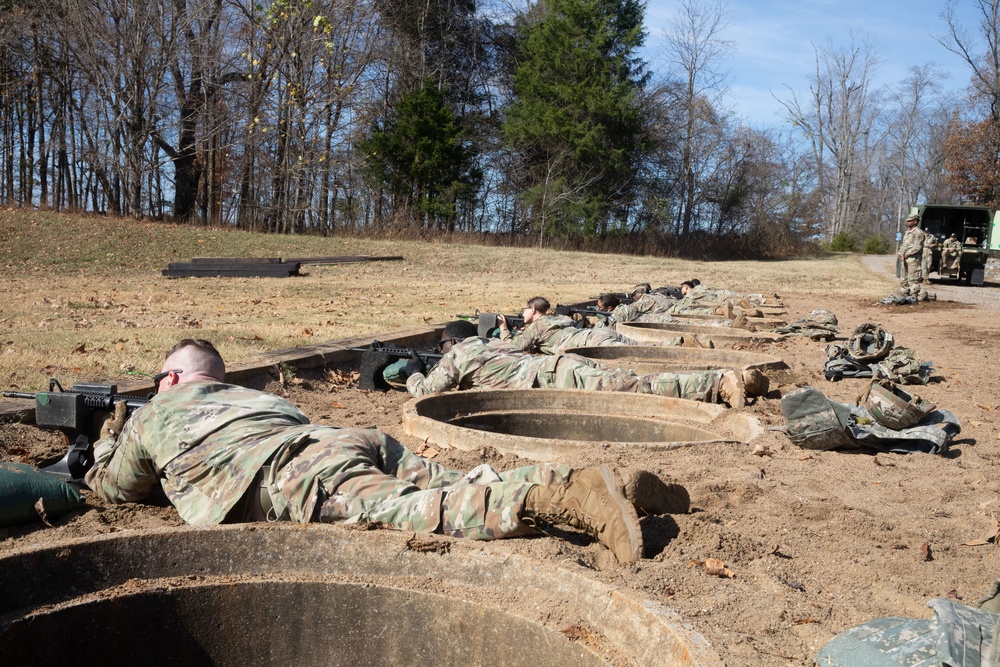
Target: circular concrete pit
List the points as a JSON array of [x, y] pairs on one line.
[[759, 322], [655, 333], [284, 594], [649, 359], [545, 424]]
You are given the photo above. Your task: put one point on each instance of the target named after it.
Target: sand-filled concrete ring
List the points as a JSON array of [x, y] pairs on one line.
[[545, 424], [653, 359], [284, 594], [656, 332]]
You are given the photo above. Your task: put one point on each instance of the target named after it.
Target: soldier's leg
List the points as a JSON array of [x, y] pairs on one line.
[[573, 372], [693, 385]]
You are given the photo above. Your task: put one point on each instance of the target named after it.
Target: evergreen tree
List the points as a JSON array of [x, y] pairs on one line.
[[419, 153], [575, 122]]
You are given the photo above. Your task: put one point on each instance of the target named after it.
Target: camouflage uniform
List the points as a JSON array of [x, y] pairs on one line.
[[951, 255], [552, 334], [478, 363], [927, 257], [702, 300], [911, 254], [647, 304], [204, 443]]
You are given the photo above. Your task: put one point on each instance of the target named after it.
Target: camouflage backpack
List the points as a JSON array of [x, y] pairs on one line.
[[813, 421], [869, 342], [840, 364], [903, 366], [892, 407], [823, 316]]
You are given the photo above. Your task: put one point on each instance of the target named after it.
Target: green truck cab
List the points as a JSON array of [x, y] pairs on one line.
[[972, 226]]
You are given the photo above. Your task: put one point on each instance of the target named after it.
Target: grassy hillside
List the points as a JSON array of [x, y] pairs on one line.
[[83, 298]]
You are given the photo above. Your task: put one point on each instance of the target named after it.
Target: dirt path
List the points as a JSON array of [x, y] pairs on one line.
[[817, 541], [986, 295]]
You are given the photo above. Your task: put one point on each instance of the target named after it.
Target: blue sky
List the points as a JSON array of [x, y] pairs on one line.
[[773, 44]]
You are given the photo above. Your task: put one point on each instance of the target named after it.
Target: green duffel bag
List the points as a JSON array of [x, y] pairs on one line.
[[22, 486]]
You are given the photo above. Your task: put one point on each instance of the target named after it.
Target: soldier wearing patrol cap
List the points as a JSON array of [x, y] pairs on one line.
[[911, 255]]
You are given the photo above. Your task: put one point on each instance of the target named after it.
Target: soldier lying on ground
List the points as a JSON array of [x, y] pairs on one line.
[[472, 362], [228, 454], [638, 311], [552, 334]]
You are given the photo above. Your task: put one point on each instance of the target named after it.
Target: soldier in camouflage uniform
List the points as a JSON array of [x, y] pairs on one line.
[[472, 362], [552, 334], [224, 453], [951, 256], [911, 255], [927, 257], [639, 311]]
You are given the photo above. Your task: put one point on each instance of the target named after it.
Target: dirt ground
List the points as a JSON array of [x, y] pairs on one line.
[[817, 542]]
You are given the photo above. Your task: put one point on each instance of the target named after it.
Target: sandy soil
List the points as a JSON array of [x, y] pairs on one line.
[[817, 541]]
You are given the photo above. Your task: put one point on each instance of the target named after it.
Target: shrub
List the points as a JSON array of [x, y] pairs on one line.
[[877, 245], [844, 242]]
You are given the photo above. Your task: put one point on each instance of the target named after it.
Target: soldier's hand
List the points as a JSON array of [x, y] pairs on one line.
[[115, 422], [414, 365], [502, 322], [593, 320], [577, 317]]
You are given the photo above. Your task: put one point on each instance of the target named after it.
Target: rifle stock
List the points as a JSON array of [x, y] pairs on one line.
[[378, 356]]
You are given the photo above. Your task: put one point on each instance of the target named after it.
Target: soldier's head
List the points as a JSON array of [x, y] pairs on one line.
[[608, 301], [953, 235], [687, 286], [912, 220], [190, 360], [456, 332], [535, 308]]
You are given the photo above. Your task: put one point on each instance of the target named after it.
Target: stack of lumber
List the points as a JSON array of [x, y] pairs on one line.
[[257, 267]]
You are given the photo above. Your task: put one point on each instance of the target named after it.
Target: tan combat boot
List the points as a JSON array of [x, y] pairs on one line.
[[732, 390], [590, 501], [741, 322], [755, 383], [651, 495]]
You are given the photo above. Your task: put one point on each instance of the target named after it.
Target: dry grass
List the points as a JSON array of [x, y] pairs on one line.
[[83, 299]]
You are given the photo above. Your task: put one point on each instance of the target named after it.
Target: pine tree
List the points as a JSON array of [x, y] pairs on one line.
[[575, 122]]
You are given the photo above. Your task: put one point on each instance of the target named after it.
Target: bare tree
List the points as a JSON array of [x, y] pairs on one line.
[[695, 47], [840, 118]]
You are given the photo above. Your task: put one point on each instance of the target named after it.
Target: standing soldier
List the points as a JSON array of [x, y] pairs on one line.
[[930, 243], [911, 255]]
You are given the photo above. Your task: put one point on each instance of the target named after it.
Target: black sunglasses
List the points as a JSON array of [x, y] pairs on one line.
[[159, 378], [448, 340]]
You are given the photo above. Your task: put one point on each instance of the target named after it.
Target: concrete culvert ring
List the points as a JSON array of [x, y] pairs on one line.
[[657, 332], [319, 595], [526, 422], [650, 359]]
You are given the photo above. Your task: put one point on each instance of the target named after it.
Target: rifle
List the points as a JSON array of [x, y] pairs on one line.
[[489, 326], [378, 356], [72, 411], [586, 312]]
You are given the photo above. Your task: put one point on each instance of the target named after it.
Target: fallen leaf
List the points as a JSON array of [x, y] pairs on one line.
[[716, 568], [803, 621], [925, 552], [953, 594], [40, 509], [335, 404], [80, 349]]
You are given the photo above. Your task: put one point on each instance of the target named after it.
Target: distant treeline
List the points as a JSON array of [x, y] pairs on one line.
[[403, 117]]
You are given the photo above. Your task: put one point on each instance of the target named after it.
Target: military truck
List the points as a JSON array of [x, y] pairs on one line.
[[971, 225]]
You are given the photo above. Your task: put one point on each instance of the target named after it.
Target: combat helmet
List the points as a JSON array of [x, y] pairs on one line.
[[823, 316], [869, 342], [894, 408]]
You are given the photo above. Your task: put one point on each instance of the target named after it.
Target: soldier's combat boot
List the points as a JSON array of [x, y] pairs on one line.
[[755, 383], [745, 304], [732, 390], [651, 495], [741, 322], [591, 501]]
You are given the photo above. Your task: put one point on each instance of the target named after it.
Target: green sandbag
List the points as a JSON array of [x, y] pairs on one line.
[[21, 485]]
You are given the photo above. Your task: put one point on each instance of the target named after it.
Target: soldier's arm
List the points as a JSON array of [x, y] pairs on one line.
[[444, 376], [123, 471]]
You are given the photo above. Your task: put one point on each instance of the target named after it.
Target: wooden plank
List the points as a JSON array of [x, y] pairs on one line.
[[236, 260], [345, 260], [235, 273], [190, 266], [310, 356]]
